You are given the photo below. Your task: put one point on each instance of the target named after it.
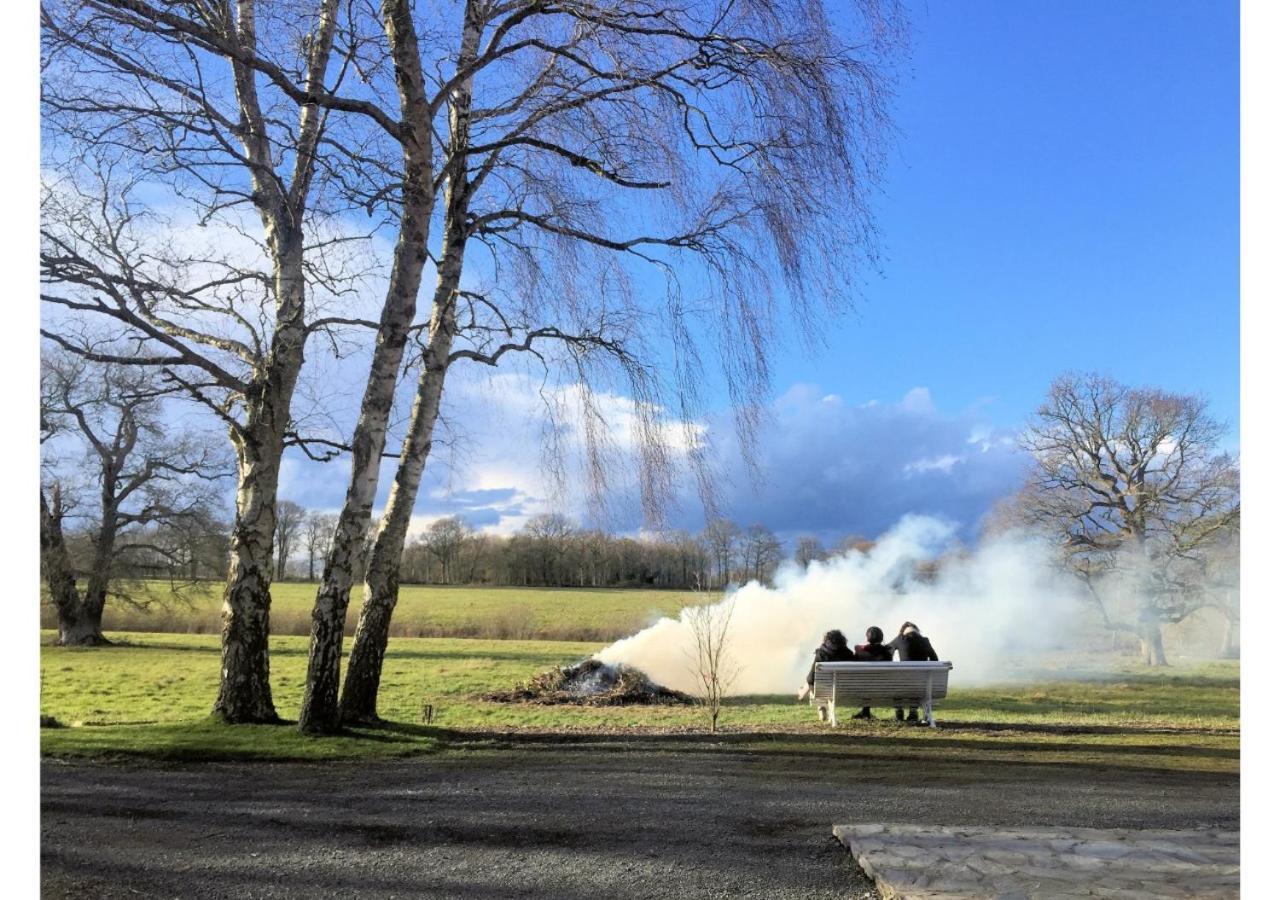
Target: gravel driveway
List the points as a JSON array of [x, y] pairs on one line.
[[550, 819]]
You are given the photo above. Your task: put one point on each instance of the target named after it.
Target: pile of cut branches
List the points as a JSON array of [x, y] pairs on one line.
[[591, 683]]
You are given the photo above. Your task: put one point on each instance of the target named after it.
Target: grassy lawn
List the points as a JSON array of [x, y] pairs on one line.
[[424, 611], [151, 694]]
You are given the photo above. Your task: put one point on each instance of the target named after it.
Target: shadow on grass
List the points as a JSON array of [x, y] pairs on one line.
[[211, 740], [842, 740], [484, 652], [937, 760], [935, 756], [1043, 700]]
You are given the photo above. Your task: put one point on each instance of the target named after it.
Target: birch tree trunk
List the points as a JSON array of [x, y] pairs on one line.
[[382, 568], [244, 691], [319, 713]]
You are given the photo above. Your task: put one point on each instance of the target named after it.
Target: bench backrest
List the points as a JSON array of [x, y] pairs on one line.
[[864, 682]]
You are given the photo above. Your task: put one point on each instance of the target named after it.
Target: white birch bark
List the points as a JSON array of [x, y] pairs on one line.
[[382, 568], [319, 711], [244, 691]]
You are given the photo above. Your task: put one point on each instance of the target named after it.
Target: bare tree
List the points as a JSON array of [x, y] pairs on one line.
[[732, 127], [290, 520], [549, 534], [761, 553], [444, 540], [217, 107], [722, 539], [808, 549], [712, 665], [1132, 484], [317, 533], [111, 416]]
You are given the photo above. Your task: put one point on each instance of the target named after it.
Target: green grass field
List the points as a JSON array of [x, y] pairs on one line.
[[423, 611], [150, 694]]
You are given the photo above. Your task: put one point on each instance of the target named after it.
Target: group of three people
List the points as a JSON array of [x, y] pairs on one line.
[[910, 646]]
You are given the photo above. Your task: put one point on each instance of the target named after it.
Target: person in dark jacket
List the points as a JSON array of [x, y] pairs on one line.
[[834, 648], [911, 646], [874, 650]]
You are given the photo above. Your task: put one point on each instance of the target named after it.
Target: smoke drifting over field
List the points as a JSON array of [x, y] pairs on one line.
[[1003, 598]]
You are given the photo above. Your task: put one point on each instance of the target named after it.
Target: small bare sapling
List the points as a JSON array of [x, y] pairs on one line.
[[712, 662]]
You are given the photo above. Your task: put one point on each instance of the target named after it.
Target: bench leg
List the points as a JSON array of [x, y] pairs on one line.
[[831, 711], [928, 701]]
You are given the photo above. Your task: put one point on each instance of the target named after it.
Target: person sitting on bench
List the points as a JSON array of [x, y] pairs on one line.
[[911, 646], [834, 648], [874, 650]]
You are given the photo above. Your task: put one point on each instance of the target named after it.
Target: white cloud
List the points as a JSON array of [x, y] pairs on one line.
[[918, 400], [944, 463]]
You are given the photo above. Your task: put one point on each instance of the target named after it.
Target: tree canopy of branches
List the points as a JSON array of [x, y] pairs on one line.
[[644, 185], [445, 540], [186, 208], [1146, 508], [105, 420], [591, 150]]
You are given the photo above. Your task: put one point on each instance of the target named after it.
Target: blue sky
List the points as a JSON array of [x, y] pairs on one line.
[[1063, 194]]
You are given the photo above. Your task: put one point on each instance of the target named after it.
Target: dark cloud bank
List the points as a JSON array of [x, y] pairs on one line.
[[832, 468], [826, 467]]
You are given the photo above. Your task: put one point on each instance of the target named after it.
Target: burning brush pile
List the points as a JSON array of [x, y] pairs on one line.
[[591, 683]]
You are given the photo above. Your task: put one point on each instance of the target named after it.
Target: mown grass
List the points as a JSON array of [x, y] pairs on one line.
[[585, 614], [151, 694]]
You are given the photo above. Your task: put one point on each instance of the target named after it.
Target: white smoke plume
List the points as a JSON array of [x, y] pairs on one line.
[[981, 610]]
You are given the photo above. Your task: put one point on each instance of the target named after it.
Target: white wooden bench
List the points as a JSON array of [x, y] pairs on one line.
[[859, 684]]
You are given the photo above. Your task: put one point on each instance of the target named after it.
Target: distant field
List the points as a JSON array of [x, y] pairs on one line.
[[504, 613], [151, 693]]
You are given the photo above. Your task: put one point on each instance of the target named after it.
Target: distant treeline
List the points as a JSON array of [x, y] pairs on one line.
[[550, 551]]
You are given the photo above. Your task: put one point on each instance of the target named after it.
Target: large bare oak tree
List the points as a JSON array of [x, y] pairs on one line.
[[102, 425], [1133, 486]]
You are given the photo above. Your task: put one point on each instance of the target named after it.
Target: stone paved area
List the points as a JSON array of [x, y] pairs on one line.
[[913, 862]]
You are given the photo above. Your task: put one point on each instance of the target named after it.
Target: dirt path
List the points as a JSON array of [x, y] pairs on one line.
[[547, 819]]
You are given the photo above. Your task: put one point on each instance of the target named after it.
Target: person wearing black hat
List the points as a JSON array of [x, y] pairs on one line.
[[911, 646], [874, 650]]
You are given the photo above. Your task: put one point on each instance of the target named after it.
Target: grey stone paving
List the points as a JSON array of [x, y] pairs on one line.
[[914, 862]]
